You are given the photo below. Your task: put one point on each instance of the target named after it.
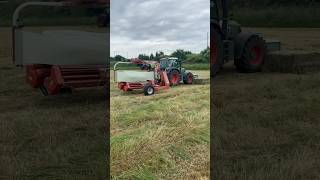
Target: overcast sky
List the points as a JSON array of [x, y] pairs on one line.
[[147, 26]]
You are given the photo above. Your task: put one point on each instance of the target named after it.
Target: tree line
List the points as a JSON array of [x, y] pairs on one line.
[[185, 56]]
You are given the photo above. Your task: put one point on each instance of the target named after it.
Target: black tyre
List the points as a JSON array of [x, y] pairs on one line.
[[44, 90], [174, 77], [148, 90], [188, 79], [66, 90], [253, 56], [216, 52]]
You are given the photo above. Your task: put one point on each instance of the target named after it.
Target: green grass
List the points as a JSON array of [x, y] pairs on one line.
[[266, 126], [290, 16], [199, 66], [165, 136]]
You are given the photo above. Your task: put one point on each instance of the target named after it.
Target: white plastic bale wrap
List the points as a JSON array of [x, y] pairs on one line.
[[67, 47], [133, 76]]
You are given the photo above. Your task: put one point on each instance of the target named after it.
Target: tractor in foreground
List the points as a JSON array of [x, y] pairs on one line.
[[229, 43]]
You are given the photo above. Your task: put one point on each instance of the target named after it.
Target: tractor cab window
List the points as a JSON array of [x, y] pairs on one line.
[[163, 64], [171, 63]]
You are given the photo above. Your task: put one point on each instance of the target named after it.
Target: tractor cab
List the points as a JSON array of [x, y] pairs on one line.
[[176, 74], [170, 63]]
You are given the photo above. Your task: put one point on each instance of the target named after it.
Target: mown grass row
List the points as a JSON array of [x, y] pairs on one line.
[[165, 136], [266, 126]]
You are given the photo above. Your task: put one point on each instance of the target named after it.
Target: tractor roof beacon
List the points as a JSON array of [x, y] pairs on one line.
[[228, 42]]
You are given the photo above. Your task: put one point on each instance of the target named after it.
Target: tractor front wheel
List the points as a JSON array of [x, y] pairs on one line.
[[188, 78], [174, 77], [253, 56]]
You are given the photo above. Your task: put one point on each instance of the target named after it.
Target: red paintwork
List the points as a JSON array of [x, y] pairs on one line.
[[73, 77], [213, 50], [257, 56], [190, 78], [129, 86], [54, 82], [175, 77], [36, 74]]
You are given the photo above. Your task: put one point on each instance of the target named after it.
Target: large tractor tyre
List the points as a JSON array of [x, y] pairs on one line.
[[216, 52], [188, 79], [253, 56], [148, 90], [174, 77]]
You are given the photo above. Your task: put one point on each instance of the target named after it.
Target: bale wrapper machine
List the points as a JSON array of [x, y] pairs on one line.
[[150, 78], [58, 60]]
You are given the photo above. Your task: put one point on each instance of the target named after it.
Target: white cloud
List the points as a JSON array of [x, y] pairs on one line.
[[147, 26]]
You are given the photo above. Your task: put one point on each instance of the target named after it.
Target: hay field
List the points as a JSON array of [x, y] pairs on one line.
[[57, 137], [293, 39], [267, 124], [165, 136]]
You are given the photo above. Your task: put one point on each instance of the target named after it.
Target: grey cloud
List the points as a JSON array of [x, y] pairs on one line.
[[185, 22]]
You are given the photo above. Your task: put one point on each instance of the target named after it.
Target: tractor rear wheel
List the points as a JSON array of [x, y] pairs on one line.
[[216, 52], [253, 56], [148, 90], [174, 77], [188, 79]]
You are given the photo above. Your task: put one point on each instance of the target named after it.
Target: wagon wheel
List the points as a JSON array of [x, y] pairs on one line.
[[148, 90]]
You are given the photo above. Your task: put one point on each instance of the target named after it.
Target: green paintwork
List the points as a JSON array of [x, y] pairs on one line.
[[173, 63]]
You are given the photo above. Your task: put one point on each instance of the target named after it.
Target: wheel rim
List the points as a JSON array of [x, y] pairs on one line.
[[256, 54], [174, 78], [150, 90], [190, 78]]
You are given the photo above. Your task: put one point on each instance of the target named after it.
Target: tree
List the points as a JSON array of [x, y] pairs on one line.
[[151, 56], [159, 55], [205, 55], [119, 58], [181, 54], [194, 58], [143, 57]]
